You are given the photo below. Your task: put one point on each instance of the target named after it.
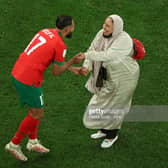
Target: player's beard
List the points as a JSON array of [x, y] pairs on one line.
[[69, 35]]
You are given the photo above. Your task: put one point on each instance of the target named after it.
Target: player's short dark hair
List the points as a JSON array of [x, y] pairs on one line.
[[63, 21]]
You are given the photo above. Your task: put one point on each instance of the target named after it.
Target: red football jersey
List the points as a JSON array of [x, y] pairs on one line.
[[46, 47]]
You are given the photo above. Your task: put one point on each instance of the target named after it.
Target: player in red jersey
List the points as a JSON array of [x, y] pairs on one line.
[[46, 47]]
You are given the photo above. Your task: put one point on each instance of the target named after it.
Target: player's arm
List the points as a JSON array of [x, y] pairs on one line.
[[58, 69], [75, 70]]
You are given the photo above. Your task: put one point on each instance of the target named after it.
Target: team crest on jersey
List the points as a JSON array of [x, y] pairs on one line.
[[64, 53]]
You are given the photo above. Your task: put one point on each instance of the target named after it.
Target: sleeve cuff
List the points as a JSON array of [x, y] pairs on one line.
[[58, 63]]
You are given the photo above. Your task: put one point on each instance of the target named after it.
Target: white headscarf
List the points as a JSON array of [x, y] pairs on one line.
[[102, 44], [118, 24]]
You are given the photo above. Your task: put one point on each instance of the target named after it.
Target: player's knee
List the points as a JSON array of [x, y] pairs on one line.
[[40, 115], [37, 113]]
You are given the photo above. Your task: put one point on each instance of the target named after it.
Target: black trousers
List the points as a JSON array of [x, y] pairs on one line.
[[110, 134]]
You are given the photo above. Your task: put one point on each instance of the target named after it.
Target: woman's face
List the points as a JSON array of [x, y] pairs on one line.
[[108, 27]]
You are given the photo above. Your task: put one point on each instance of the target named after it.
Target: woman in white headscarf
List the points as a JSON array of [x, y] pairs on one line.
[[111, 53]]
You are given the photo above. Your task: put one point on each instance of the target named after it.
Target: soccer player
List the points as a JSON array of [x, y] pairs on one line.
[[46, 47]]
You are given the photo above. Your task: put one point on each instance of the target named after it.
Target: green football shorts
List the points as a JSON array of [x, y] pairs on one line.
[[29, 95]]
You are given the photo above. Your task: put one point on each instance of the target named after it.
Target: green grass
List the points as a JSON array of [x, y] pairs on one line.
[[142, 145]]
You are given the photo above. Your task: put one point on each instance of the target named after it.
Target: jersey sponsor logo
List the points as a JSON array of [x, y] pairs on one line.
[[64, 53]]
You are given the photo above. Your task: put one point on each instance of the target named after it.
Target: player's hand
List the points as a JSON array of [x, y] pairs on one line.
[[84, 71], [75, 70], [78, 58]]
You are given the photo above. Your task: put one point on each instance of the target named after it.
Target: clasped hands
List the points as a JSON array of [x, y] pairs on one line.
[[79, 70]]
